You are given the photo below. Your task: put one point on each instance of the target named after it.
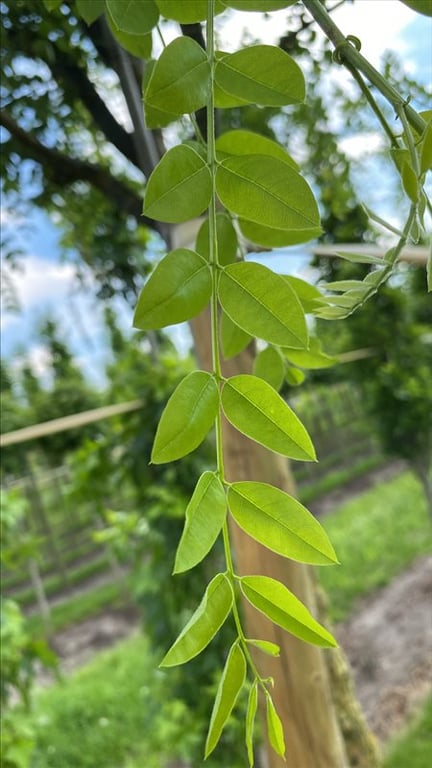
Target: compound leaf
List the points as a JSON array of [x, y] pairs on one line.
[[203, 624], [256, 410], [276, 602], [205, 515], [178, 289], [187, 418]]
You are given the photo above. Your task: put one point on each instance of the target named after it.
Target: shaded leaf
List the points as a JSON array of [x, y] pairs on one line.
[[264, 6], [308, 295], [233, 338], [359, 258], [276, 238], [205, 515], [276, 602], [90, 10], [231, 683], [261, 189], [180, 78], [426, 150], [133, 16], [250, 721], [178, 289], [241, 142], [254, 408], [269, 365], [203, 624], [312, 358], [137, 45], [421, 6], [262, 304], [271, 649], [262, 74], [280, 522], [187, 418], [294, 377], [179, 187], [226, 237]]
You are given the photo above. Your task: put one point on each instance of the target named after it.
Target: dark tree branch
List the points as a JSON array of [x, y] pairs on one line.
[[65, 69], [62, 169]]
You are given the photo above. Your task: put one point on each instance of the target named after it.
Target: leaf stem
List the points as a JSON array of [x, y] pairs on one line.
[[349, 54]]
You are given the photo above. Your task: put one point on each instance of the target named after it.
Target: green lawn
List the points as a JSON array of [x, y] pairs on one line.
[[414, 748], [376, 536]]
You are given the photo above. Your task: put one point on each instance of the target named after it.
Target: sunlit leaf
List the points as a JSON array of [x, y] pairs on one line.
[[133, 16], [262, 304], [274, 728], [203, 624], [269, 365], [256, 410], [187, 418], [180, 78], [280, 522], [308, 295], [312, 358], [294, 377], [276, 238], [178, 289], [271, 649], [262, 74], [261, 189], [179, 187], [276, 602], [231, 683], [205, 515], [241, 142]]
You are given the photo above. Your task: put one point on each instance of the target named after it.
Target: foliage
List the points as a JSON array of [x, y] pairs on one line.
[[272, 204]]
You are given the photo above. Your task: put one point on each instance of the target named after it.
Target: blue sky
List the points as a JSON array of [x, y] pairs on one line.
[[46, 285]]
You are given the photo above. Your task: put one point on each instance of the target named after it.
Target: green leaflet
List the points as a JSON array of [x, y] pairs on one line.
[[274, 728], [178, 289], [294, 377], [276, 238], [250, 721], [263, 6], [187, 418], [205, 515], [421, 6], [154, 118], [137, 45], [270, 366], [233, 339], [271, 649], [308, 295], [280, 522], [312, 358], [133, 16], [359, 258], [261, 189], [262, 304], [203, 624], [254, 408], [276, 602], [241, 142], [179, 187], [226, 237], [426, 150], [179, 80], [231, 683], [261, 74], [90, 10], [186, 11]]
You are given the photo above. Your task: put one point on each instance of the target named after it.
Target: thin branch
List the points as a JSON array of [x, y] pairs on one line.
[[346, 52]]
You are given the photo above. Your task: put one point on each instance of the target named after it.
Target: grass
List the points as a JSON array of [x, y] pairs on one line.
[[414, 747], [119, 711], [376, 536], [338, 478]]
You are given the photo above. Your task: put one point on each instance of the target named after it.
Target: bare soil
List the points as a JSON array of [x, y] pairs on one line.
[[388, 640]]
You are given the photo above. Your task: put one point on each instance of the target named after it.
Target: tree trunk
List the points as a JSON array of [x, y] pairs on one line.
[[302, 692]]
